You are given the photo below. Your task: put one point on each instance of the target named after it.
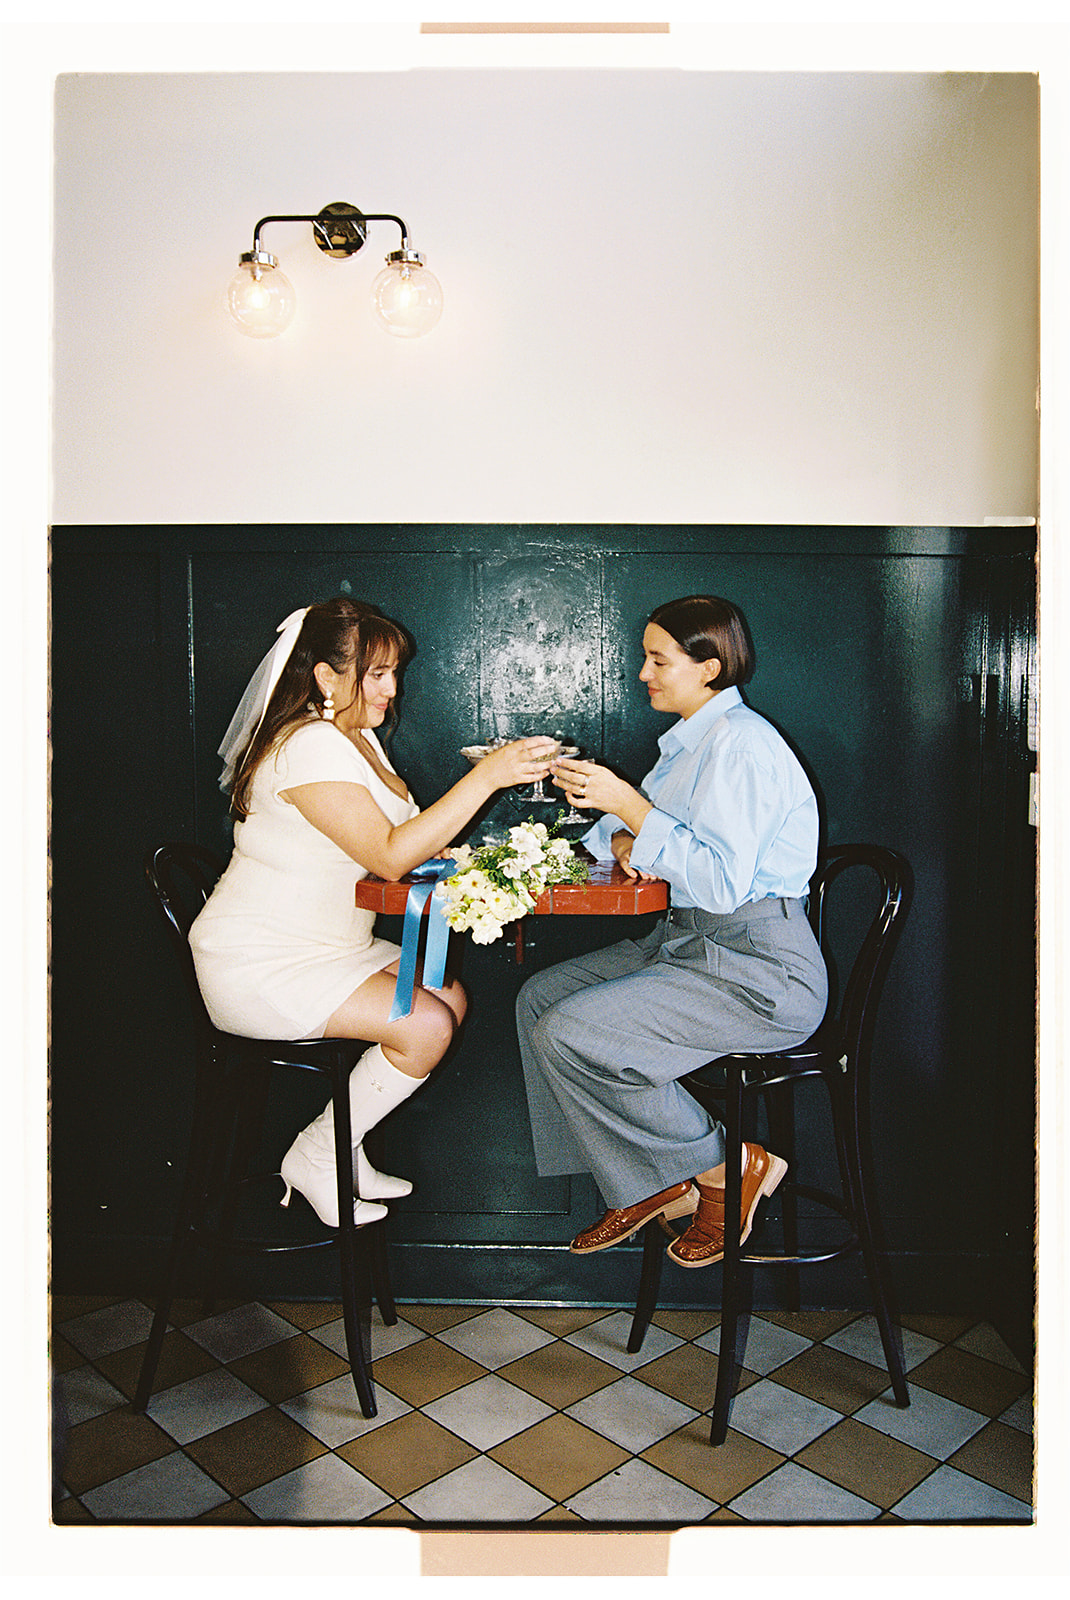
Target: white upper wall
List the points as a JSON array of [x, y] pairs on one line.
[[669, 296]]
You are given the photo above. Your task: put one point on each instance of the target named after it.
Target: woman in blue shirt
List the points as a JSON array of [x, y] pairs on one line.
[[728, 818]]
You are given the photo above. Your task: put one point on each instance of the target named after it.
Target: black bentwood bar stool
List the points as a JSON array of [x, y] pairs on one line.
[[838, 1055], [231, 1083]]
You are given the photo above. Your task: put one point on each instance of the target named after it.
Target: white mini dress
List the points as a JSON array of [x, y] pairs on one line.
[[280, 943]]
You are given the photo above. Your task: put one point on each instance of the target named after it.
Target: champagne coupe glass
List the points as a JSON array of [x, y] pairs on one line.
[[475, 752], [539, 797], [567, 748]]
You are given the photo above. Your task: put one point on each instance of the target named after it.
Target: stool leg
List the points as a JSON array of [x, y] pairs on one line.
[[198, 1164], [649, 1282], [731, 1287], [376, 1237], [845, 1116], [352, 1253], [381, 1286], [781, 1103], [244, 1092]]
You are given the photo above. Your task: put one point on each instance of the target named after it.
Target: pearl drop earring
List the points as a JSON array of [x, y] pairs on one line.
[[328, 708]]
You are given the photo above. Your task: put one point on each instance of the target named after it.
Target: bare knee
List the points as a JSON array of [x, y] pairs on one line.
[[455, 996], [418, 1044]]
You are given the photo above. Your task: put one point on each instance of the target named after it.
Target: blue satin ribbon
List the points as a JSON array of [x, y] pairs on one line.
[[428, 874]]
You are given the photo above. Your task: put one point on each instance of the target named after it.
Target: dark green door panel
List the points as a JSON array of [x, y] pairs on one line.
[[897, 662]]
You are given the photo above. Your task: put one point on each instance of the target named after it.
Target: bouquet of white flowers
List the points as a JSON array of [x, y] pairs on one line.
[[499, 883]]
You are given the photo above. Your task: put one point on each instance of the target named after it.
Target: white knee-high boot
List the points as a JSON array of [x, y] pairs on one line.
[[368, 1184], [375, 1088]]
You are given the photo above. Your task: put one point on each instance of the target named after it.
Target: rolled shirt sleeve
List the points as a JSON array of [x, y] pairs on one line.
[[597, 840]]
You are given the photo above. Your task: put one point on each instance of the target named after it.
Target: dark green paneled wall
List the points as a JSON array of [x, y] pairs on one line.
[[895, 659]]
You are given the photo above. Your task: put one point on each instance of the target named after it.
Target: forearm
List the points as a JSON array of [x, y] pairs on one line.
[[347, 814], [433, 830], [633, 809]]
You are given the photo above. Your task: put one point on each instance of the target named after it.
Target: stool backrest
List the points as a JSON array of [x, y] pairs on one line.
[[181, 877], [854, 1002]]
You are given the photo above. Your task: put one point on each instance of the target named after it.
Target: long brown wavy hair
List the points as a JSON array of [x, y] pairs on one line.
[[340, 631]]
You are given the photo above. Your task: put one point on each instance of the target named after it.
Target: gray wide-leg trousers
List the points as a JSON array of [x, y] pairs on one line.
[[604, 1038]]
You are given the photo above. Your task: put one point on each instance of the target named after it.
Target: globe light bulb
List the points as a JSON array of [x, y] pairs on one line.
[[260, 297], [406, 298]]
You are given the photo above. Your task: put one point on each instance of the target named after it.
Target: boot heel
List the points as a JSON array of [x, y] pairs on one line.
[[285, 1201]]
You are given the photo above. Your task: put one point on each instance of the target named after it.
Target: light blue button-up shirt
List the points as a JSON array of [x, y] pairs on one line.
[[735, 818]]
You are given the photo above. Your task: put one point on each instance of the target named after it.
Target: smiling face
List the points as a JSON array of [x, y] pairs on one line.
[[676, 683], [377, 690], [363, 704]]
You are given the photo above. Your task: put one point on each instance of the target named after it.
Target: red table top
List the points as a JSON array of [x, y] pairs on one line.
[[609, 893]]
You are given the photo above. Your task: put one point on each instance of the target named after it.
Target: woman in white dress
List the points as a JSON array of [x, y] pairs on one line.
[[281, 950]]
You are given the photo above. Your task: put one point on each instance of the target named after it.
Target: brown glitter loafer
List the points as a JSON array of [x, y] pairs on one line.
[[703, 1243], [680, 1200]]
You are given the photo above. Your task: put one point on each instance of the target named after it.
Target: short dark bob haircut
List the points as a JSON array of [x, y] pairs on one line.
[[706, 628]]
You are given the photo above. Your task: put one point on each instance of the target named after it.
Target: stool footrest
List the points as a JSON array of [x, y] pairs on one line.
[[803, 1260], [218, 1239]]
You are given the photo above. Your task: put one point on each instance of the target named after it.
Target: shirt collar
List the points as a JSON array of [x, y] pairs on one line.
[[689, 732]]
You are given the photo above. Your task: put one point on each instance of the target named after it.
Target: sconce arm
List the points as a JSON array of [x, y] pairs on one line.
[[339, 229]]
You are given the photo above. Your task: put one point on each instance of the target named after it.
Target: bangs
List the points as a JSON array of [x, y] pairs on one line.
[[380, 640]]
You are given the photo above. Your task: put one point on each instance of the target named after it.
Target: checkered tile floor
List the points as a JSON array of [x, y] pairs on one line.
[[532, 1414]]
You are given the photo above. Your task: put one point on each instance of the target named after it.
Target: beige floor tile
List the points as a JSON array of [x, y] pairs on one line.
[[406, 1454], [560, 1320], [282, 1370], [65, 1307], [423, 1371], [193, 1308], [688, 1373], [942, 1329], [247, 1454], [560, 1374], [433, 1318], [69, 1513], [394, 1514], [1000, 1456], [869, 1464], [719, 1473], [232, 1512], [810, 1324], [106, 1447], [970, 1381], [306, 1314], [832, 1377], [63, 1357], [686, 1324], [180, 1360], [558, 1456]]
